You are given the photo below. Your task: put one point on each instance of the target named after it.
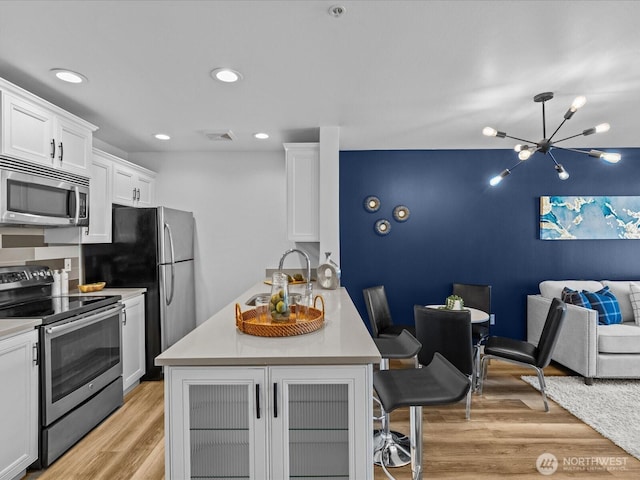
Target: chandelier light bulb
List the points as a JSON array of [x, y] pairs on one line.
[[611, 157], [498, 178], [524, 154], [578, 102], [603, 127], [518, 147], [562, 173], [489, 132]]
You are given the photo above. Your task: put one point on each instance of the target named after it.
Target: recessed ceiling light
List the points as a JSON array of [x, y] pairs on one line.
[[261, 135], [69, 76], [162, 136], [226, 75]]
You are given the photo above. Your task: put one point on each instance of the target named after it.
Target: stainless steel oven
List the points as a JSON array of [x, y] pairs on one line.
[[79, 355]]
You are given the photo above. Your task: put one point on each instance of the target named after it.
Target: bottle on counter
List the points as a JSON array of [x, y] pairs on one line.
[[56, 288], [64, 282]]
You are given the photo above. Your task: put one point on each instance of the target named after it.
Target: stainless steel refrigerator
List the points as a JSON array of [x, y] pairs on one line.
[[151, 248]]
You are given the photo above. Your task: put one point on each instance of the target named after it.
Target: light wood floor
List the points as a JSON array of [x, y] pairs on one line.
[[507, 432]]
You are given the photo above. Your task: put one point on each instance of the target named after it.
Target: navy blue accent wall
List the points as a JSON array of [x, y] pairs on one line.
[[463, 230]]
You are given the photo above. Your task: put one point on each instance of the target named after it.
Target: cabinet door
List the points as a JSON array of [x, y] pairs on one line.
[[216, 423], [321, 422], [74, 143], [124, 189], [18, 404], [133, 341], [101, 191], [303, 217], [145, 195], [27, 130]]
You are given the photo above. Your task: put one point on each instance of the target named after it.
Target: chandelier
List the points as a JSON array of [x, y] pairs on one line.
[[547, 144]]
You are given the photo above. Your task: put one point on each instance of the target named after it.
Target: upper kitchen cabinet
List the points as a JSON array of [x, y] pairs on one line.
[[133, 185], [303, 200], [37, 131]]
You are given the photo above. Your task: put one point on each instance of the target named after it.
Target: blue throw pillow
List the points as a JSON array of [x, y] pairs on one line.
[[574, 297], [606, 304]]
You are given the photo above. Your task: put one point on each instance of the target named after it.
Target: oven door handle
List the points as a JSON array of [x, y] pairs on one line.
[[84, 321]]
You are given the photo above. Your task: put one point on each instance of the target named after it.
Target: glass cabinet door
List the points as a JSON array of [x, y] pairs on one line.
[[223, 436], [315, 422]]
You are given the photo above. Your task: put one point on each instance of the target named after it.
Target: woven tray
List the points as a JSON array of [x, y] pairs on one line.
[[248, 323]]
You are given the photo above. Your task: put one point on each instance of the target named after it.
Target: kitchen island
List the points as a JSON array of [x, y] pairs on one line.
[[253, 407]]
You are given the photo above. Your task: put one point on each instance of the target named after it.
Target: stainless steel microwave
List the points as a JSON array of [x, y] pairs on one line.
[[41, 196]]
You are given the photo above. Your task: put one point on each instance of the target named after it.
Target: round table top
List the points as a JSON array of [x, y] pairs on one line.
[[477, 316]]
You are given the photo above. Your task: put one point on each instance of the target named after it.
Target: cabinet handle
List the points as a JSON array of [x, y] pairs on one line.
[[138, 195], [53, 148], [36, 360], [61, 152], [134, 195], [124, 317], [257, 400], [275, 400]]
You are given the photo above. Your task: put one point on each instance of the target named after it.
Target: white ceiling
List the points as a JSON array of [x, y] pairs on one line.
[[390, 74]]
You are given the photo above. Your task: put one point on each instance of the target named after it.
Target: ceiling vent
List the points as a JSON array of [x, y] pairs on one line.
[[220, 136]]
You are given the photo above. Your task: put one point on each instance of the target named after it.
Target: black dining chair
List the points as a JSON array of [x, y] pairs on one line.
[[476, 296], [438, 382], [527, 354], [375, 299]]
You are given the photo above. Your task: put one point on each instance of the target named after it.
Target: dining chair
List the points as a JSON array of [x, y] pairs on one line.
[[437, 382], [476, 296], [527, 354], [375, 299]]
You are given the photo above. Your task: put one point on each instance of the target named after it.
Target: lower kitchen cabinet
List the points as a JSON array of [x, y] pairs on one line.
[[275, 422], [133, 341], [18, 404]]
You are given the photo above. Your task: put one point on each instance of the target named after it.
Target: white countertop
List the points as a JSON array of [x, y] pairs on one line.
[[342, 340], [14, 326], [125, 293]]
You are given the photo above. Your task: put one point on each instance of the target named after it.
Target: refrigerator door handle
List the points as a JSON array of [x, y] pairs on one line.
[[169, 299]]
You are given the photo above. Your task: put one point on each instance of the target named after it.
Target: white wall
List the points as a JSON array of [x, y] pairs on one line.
[[238, 201]]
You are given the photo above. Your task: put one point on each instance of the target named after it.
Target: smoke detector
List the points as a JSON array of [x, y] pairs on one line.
[[217, 136], [337, 11]]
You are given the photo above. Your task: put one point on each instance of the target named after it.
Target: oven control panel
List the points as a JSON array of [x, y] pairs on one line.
[[24, 276]]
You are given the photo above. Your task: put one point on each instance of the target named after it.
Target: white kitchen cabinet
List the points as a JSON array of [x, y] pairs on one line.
[[18, 404], [27, 130], [303, 200], [133, 341], [133, 185], [101, 190], [74, 144], [264, 423], [37, 131]]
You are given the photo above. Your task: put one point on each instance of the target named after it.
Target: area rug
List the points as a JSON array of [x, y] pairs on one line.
[[611, 407]]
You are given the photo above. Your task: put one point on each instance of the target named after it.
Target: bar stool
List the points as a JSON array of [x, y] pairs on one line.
[[391, 449], [438, 382]]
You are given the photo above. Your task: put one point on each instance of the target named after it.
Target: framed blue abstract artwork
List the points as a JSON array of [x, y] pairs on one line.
[[589, 218]]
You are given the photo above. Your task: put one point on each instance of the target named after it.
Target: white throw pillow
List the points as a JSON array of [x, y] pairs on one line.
[[634, 296], [553, 288]]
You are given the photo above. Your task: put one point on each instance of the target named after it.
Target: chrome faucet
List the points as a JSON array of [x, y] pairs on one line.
[[306, 257]]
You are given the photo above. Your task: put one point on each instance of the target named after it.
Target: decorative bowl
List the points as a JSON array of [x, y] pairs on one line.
[[91, 287]]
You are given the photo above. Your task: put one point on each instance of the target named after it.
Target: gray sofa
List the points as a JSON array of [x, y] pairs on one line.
[[589, 349]]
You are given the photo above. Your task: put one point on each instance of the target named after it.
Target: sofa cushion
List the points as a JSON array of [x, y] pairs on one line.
[[621, 290], [553, 288], [620, 338], [606, 304], [634, 297], [574, 297]]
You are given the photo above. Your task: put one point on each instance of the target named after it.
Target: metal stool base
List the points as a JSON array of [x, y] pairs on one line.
[[394, 452]]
